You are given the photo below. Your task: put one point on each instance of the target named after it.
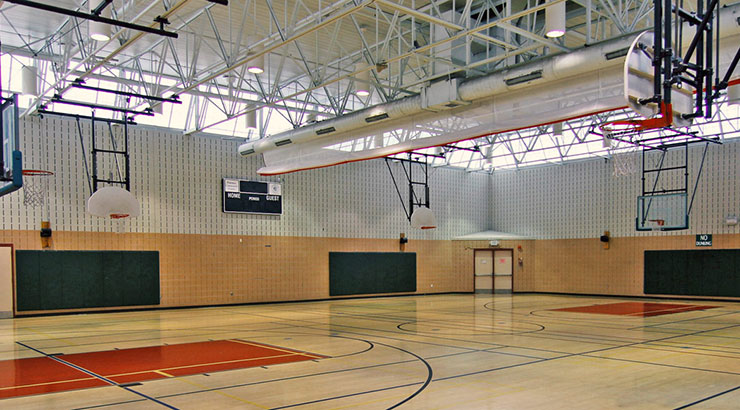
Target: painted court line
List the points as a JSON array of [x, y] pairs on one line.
[[111, 382], [121, 367], [708, 398]]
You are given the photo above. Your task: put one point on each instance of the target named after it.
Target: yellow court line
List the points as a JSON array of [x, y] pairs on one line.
[[498, 390], [198, 365], [48, 383], [231, 396], [363, 403], [669, 310], [51, 336], [159, 371], [276, 348]]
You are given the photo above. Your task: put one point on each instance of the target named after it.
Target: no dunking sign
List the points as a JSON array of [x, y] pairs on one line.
[[704, 240]]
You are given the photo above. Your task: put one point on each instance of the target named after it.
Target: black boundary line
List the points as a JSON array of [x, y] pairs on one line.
[[493, 330], [537, 361], [586, 354], [97, 376], [597, 323], [538, 313], [656, 297], [683, 349], [219, 330], [708, 398], [312, 323], [129, 309], [424, 385], [277, 348], [344, 396], [653, 328], [684, 320], [304, 375], [234, 386], [701, 347], [673, 366], [602, 341], [590, 353]]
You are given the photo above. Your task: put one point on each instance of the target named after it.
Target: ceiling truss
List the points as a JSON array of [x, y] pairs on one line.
[[314, 52]]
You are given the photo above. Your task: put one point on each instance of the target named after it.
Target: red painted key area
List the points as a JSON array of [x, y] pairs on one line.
[[36, 375], [641, 309]]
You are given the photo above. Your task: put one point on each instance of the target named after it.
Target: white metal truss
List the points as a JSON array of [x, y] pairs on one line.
[[314, 52]]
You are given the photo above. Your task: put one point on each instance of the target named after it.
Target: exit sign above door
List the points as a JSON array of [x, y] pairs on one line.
[[704, 240]]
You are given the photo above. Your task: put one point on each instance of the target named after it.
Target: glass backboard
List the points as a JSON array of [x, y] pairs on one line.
[[665, 212], [11, 175]]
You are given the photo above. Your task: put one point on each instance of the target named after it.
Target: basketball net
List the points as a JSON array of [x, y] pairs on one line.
[[120, 224], [35, 187], [621, 154]]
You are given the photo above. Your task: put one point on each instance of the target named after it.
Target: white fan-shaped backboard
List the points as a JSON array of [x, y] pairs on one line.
[[423, 218], [638, 83], [113, 202]]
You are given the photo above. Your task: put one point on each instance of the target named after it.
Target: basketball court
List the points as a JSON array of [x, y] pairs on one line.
[[425, 352], [379, 204]]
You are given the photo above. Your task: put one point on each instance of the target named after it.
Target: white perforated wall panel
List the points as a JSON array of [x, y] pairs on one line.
[[583, 199], [177, 180]]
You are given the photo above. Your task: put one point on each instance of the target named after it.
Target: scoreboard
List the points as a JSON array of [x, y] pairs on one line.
[[252, 197]]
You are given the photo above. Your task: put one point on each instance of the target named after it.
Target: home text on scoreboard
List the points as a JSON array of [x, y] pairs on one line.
[[252, 197]]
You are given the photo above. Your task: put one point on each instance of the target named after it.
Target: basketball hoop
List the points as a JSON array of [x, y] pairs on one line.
[[656, 224], [621, 150], [35, 190], [615, 129]]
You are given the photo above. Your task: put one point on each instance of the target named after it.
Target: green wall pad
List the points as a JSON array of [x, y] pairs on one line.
[[693, 272], [47, 280], [364, 273]]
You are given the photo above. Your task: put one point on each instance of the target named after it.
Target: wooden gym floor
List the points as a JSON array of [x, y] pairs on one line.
[[422, 352]]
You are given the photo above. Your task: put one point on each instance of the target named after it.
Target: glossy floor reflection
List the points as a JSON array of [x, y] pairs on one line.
[[423, 352]]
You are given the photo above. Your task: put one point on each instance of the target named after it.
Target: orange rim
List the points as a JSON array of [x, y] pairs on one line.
[[36, 172], [118, 216]]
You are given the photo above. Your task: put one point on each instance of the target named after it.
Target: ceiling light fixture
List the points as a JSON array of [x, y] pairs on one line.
[[378, 140], [362, 82], [251, 118], [733, 94], [257, 64], [557, 129], [100, 31], [488, 157], [555, 20], [29, 80]]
